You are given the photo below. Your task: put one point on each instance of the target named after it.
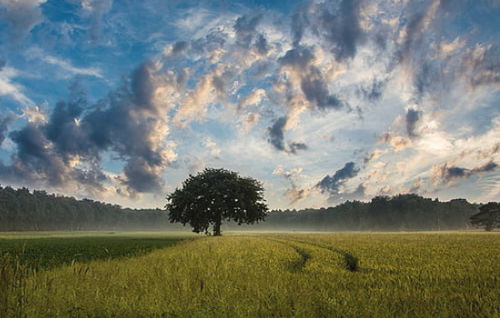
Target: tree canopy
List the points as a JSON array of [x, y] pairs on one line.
[[488, 216], [216, 195]]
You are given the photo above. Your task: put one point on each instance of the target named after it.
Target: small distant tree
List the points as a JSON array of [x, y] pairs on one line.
[[216, 195], [488, 216]]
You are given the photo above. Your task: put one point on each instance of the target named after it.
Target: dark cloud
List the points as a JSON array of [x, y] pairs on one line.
[[412, 118], [300, 21], [261, 45], [276, 135], [34, 156], [296, 146], [179, 47], [66, 132], [2, 63], [340, 27], [127, 122], [316, 91], [277, 138], [299, 57], [482, 66], [5, 121], [313, 84], [222, 82], [140, 176], [332, 184], [373, 92], [413, 37], [444, 174], [335, 22], [20, 16], [245, 28], [212, 41]]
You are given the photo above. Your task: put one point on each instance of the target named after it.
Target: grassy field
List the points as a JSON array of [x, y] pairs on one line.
[[268, 275], [50, 249]]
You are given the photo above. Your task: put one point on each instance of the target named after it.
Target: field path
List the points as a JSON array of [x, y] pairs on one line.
[[310, 251]]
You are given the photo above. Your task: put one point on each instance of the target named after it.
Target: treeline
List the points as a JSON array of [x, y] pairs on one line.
[[408, 212], [22, 210]]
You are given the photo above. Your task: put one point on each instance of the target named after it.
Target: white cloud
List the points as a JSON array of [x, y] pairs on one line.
[[11, 89], [67, 66]]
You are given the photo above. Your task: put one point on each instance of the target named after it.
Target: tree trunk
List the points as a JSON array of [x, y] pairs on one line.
[[217, 226]]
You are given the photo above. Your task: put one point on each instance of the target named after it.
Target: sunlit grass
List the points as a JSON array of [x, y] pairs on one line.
[[280, 275]]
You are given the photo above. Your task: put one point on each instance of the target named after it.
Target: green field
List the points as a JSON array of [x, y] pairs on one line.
[[259, 275]]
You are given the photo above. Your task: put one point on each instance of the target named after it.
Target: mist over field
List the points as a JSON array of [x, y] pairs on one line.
[[322, 101]]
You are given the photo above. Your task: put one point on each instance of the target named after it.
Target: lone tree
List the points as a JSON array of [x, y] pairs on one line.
[[488, 216], [216, 195]]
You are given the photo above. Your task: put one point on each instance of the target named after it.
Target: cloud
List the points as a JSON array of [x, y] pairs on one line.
[[377, 153], [340, 27], [316, 91], [299, 64], [277, 137], [332, 184], [212, 147], [21, 16], [11, 89], [193, 107], [412, 118], [34, 114], [5, 121], [374, 90], [444, 174], [179, 47], [67, 66], [296, 146], [245, 28], [66, 150], [97, 9], [398, 143], [336, 23], [298, 58], [294, 194], [249, 120], [35, 157], [481, 66], [254, 98]]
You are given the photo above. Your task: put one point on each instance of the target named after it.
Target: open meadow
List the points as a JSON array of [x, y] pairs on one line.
[[251, 275]]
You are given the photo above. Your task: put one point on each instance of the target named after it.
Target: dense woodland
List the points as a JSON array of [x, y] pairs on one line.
[[22, 210], [405, 212]]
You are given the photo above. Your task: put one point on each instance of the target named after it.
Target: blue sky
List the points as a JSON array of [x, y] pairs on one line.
[[323, 101]]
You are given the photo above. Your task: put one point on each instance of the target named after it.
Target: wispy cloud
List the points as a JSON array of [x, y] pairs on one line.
[[11, 89]]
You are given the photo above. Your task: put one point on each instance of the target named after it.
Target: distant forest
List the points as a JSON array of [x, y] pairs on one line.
[[404, 212], [22, 210]]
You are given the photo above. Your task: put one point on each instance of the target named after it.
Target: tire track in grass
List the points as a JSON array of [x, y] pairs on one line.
[[351, 262], [300, 264]]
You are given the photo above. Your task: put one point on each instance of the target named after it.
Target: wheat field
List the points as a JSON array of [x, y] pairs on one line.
[[271, 275]]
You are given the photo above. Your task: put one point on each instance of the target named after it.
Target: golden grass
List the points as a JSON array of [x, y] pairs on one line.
[[279, 275]]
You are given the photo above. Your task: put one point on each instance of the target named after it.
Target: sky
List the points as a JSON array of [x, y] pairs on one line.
[[321, 101]]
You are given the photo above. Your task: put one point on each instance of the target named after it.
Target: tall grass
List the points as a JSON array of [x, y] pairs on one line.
[[396, 275]]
